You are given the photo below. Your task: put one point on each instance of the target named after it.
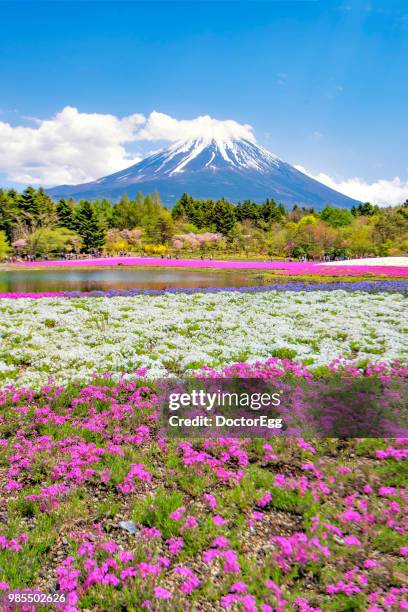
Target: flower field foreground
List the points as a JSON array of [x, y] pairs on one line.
[[97, 503], [174, 334]]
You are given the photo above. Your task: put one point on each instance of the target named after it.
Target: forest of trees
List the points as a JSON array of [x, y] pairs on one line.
[[33, 225]]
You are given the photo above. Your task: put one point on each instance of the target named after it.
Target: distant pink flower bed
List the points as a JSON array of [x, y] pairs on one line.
[[285, 267], [31, 294]]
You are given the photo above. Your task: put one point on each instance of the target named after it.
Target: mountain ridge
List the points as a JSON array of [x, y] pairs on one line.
[[212, 167]]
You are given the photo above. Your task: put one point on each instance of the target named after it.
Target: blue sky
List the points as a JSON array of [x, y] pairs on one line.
[[323, 83]]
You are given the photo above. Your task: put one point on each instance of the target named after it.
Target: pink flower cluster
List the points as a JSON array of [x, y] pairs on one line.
[[14, 544], [298, 549]]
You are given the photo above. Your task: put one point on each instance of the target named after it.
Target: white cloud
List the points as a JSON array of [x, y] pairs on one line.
[[163, 127], [73, 147], [382, 192], [70, 147]]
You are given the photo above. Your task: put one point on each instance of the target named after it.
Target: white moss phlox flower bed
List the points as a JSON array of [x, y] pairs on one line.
[[68, 339], [400, 262]]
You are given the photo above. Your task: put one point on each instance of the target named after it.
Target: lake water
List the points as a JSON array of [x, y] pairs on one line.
[[104, 279]]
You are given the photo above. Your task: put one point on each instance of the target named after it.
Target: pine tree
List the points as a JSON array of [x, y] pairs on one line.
[[151, 213], [35, 208], [65, 214], [139, 209], [104, 210], [88, 226], [181, 207], [125, 214], [224, 217], [46, 207], [29, 205], [248, 210], [270, 211], [164, 228], [8, 211]]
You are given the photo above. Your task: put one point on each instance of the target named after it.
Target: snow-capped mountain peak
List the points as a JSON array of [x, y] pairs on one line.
[[213, 166], [216, 152]]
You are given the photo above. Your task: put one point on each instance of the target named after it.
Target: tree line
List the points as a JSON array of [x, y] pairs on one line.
[[32, 224]]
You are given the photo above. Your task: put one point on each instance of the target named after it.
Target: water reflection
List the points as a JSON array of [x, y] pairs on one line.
[[104, 279]]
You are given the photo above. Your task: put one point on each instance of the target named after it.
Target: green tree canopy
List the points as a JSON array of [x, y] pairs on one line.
[[364, 210], [127, 213], [45, 241], [89, 227], [65, 213], [4, 245], [224, 217], [336, 217]]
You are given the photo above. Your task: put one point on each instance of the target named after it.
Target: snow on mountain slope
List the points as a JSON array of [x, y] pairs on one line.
[[212, 167], [220, 153]]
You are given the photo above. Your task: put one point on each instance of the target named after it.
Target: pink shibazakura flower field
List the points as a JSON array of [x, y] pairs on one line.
[[286, 267], [98, 503]]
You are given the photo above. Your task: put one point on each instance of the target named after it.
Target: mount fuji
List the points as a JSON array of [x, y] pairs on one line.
[[232, 168]]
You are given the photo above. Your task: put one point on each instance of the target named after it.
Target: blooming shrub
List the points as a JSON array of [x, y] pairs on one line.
[[193, 241]]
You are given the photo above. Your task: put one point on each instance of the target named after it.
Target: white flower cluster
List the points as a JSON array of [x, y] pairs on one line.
[[68, 339]]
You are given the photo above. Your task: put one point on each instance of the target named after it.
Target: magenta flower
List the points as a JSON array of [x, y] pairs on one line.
[[161, 593], [210, 500], [175, 545], [149, 533], [347, 588], [352, 541], [231, 565], [369, 563], [192, 581], [219, 521], [110, 547], [190, 523], [238, 587], [280, 481], [265, 500], [177, 515], [220, 542], [125, 556]]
